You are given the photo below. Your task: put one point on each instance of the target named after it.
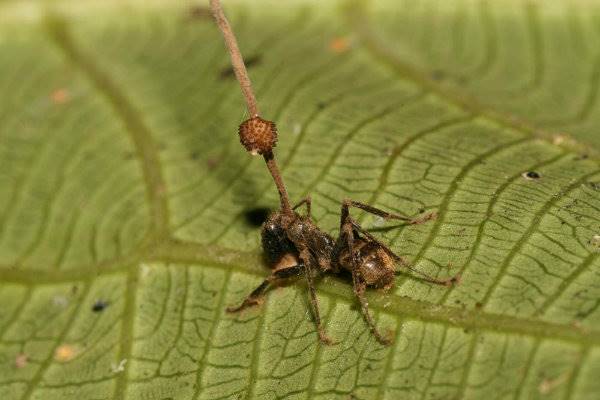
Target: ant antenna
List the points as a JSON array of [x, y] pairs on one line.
[[257, 135]]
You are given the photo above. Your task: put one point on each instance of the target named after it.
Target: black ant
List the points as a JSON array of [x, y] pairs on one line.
[[293, 244]]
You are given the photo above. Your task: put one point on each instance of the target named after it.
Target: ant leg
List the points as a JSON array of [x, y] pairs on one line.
[[358, 284], [307, 200], [255, 297], [423, 275], [305, 256], [388, 215], [359, 291]]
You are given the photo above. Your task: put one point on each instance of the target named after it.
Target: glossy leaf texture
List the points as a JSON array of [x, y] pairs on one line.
[[127, 205]]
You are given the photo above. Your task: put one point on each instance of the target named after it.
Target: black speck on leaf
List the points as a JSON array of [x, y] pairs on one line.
[[531, 175], [99, 306]]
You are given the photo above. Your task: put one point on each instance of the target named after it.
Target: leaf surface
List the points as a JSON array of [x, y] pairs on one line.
[[125, 195]]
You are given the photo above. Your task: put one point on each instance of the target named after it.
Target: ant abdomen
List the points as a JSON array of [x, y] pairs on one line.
[[375, 266]]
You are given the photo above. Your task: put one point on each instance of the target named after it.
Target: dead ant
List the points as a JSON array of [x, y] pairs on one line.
[[293, 244]]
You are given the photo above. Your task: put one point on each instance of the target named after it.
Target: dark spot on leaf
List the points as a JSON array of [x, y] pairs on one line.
[[194, 155], [212, 163], [252, 61], [531, 175], [462, 80], [256, 216], [199, 12], [478, 305], [321, 105], [99, 306], [438, 75]]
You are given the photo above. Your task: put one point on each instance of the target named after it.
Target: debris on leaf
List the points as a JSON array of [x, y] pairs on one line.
[[60, 96], [65, 353], [116, 368], [549, 384], [561, 138], [339, 44], [21, 360]]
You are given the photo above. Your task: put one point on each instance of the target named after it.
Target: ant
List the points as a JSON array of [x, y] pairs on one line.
[[293, 244]]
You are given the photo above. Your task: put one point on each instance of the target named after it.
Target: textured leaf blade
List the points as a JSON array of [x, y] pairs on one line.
[[126, 183]]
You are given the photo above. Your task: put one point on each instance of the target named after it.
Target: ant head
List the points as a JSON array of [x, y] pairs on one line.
[[275, 241]]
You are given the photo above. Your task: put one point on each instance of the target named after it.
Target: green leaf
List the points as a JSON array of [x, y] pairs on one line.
[[123, 185]]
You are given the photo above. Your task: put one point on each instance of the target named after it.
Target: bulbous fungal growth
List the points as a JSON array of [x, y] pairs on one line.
[[258, 135]]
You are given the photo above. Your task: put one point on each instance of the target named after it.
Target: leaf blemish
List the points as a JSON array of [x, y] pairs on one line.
[[21, 360], [438, 75], [531, 175], [99, 306], [60, 96], [65, 353]]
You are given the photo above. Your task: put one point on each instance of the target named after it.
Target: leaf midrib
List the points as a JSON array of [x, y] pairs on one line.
[[198, 256]]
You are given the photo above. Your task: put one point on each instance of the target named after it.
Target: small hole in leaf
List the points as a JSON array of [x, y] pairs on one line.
[[99, 306], [531, 175], [256, 216]]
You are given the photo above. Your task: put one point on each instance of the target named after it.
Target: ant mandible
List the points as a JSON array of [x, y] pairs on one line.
[[293, 243]]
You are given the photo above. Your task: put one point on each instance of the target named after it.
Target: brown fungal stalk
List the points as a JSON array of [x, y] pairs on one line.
[[257, 135]]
